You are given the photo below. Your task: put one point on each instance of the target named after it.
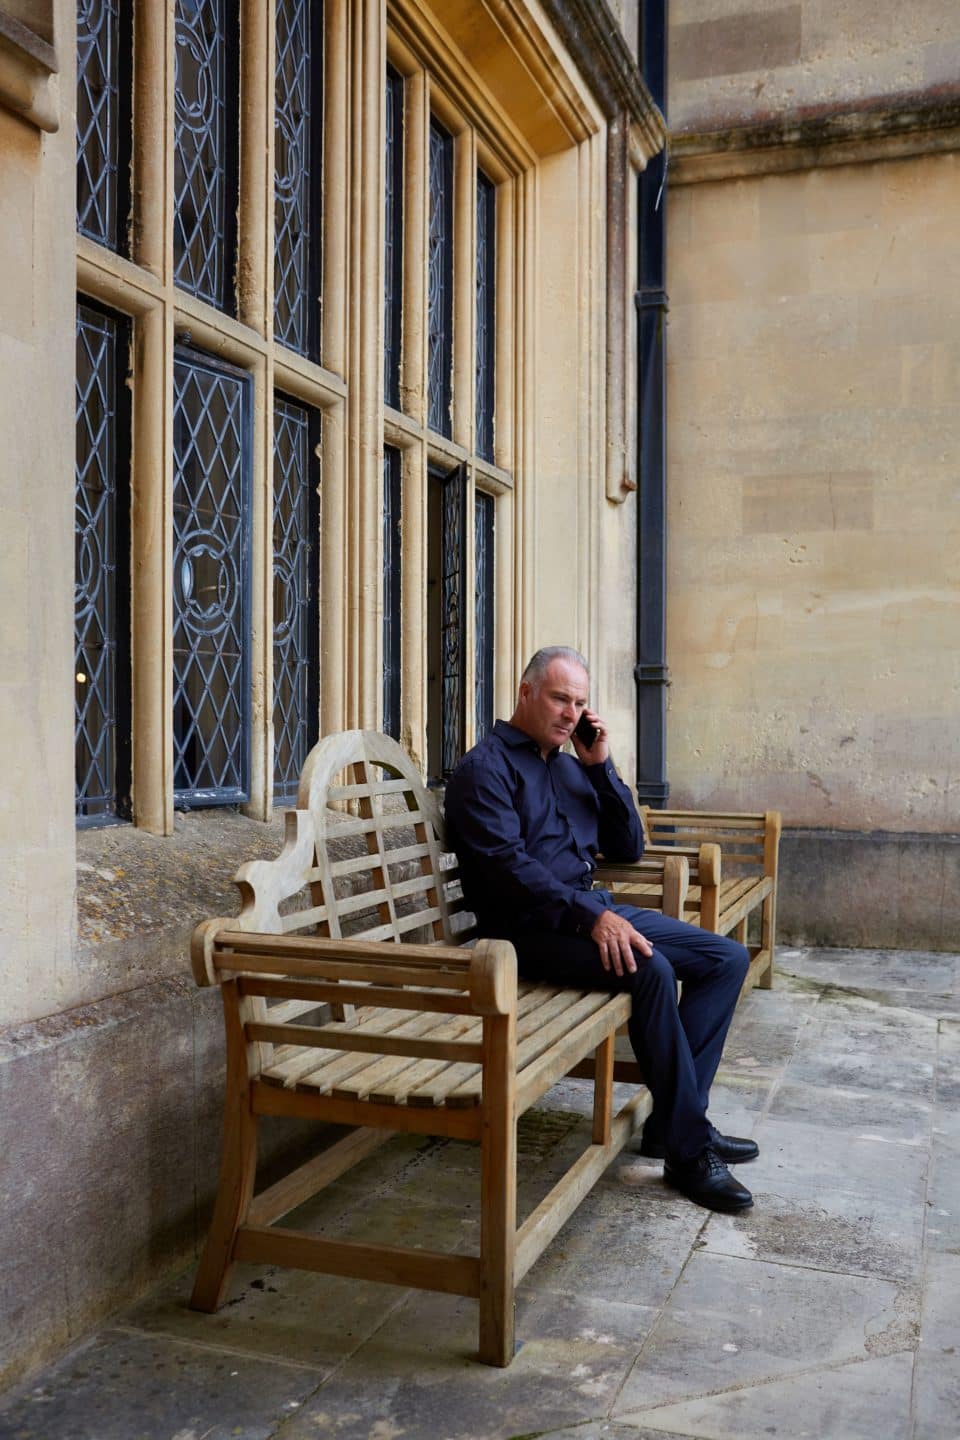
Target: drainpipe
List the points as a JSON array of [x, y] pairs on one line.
[[651, 673]]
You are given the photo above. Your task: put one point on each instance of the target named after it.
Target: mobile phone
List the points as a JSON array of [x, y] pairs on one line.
[[585, 732]]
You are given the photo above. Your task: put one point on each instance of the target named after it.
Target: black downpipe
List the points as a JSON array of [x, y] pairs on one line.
[[651, 673]]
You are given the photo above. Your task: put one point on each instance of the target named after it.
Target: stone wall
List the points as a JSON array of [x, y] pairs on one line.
[[813, 367]]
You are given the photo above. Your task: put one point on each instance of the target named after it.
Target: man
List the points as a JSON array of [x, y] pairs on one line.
[[527, 822]]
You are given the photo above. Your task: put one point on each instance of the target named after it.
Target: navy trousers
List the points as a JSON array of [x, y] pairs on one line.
[[678, 1046]]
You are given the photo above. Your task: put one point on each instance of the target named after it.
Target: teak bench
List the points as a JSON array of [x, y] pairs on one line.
[[329, 1018], [732, 861]]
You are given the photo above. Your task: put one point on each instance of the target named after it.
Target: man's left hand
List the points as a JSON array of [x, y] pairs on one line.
[[600, 749]]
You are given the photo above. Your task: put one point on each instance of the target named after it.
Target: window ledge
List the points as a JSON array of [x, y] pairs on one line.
[[28, 75]]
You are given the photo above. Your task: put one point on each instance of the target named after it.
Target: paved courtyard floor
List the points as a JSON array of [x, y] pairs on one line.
[[829, 1310]]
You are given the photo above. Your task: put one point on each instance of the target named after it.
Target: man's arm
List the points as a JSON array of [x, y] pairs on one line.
[[619, 831]]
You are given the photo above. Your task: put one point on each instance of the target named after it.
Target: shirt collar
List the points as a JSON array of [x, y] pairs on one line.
[[510, 735], [519, 739]]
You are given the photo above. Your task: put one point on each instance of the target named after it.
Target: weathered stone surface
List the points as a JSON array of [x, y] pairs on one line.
[[416, 1377], [858, 1401], [733, 1322], [120, 1385]]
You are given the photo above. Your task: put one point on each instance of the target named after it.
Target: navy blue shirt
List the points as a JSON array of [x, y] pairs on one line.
[[527, 832]]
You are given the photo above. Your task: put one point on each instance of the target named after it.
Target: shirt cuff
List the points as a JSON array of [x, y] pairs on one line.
[[587, 908]]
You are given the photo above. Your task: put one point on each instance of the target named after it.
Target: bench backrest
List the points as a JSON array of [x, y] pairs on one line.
[[365, 853], [749, 842]]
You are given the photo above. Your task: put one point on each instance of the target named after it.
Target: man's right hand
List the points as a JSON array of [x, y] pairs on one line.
[[616, 940]]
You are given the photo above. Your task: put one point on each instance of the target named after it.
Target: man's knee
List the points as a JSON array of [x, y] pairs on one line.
[[735, 957], [653, 976]]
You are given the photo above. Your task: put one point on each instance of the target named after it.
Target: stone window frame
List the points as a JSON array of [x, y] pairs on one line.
[[432, 91]]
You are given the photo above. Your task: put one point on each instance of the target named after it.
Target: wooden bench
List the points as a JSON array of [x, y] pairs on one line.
[[329, 1018], [732, 889]]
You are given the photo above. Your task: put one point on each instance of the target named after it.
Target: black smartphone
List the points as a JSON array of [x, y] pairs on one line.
[[585, 732]]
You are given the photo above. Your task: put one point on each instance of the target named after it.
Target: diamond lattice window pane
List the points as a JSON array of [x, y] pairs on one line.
[[103, 120], [206, 120], [295, 592], [211, 581], [297, 195], [100, 611]]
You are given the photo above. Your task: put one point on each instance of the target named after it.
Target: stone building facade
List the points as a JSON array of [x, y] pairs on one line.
[[316, 370], [338, 362]]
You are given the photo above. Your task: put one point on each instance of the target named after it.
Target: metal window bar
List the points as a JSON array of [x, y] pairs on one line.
[[206, 149], [298, 178], [102, 580], [296, 618], [486, 313], [392, 523], [104, 113], [212, 447], [483, 527], [440, 281], [393, 239]]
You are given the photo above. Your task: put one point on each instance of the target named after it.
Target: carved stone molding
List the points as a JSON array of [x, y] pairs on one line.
[[884, 130], [29, 85]]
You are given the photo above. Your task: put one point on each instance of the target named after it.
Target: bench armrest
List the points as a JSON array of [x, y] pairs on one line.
[[487, 973]]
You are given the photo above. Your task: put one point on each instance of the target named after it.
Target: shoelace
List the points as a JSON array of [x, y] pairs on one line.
[[710, 1162]]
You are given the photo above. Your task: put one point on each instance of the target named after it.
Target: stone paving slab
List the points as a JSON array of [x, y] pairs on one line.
[[125, 1386], [874, 1112], [862, 1401], [930, 972], [629, 1239], [733, 1322], [417, 1378], [938, 1360], [839, 1233]]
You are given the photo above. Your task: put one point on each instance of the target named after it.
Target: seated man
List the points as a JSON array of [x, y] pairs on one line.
[[527, 822]]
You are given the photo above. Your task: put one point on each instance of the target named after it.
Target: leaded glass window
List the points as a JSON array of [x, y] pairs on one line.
[[211, 580], [101, 607], [296, 698], [486, 311], [103, 120], [483, 526], [393, 240], [440, 281], [392, 522], [447, 614], [297, 177], [206, 128]]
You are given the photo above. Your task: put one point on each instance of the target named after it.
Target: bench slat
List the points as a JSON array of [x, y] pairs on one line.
[[419, 1075], [387, 1068], [326, 1037], [385, 996], [321, 1070]]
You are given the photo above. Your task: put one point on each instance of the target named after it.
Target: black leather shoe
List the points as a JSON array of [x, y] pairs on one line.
[[731, 1148], [706, 1181]]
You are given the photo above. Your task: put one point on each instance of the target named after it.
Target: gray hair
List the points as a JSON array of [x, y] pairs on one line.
[[538, 663]]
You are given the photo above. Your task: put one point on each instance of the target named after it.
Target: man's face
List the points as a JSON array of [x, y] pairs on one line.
[[548, 711]]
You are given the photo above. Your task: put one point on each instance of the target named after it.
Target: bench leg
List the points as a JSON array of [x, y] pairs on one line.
[[238, 1169], [498, 1190], [603, 1091], [768, 927]]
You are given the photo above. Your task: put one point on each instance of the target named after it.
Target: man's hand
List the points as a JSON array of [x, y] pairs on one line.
[[616, 940], [600, 749]]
